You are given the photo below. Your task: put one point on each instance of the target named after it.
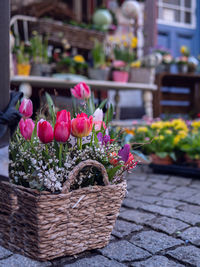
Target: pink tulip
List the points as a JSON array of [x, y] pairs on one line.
[[44, 131], [81, 91], [63, 115], [26, 128], [26, 108], [98, 125], [82, 125], [62, 131]]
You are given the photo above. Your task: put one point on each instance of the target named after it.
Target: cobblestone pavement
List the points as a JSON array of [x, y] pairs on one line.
[[158, 226]]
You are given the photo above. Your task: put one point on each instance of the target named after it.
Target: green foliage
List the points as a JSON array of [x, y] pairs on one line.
[[98, 54], [124, 54], [39, 48], [22, 55]]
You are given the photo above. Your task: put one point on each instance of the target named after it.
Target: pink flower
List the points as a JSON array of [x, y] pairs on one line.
[[98, 125], [64, 116], [119, 64], [81, 91], [26, 128], [82, 125], [62, 131], [44, 131], [26, 108]]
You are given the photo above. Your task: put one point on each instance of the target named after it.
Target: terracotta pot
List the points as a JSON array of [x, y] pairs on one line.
[[197, 161], [23, 69], [188, 159], [120, 76], [161, 161]]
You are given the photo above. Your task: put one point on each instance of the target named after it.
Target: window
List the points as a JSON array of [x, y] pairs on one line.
[[179, 13]]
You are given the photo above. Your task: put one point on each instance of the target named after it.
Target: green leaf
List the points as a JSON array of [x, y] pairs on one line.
[[161, 154], [101, 106], [172, 155], [34, 133], [112, 172], [56, 146], [51, 107]]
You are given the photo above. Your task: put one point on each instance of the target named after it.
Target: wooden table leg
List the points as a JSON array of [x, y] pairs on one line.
[[148, 103], [117, 108]]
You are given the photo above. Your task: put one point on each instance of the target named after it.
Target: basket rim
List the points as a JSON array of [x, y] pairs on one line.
[[35, 192]]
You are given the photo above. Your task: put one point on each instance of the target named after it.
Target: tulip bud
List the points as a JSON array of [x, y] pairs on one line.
[[64, 115], [26, 128], [62, 131], [81, 91], [81, 125], [45, 131], [26, 108]]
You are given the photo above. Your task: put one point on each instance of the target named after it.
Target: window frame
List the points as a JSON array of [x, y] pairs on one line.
[[182, 10]]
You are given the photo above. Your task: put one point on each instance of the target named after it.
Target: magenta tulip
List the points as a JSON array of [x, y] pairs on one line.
[[45, 131], [62, 131], [81, 91], [26, 108], [26, 128], [82, 125], [64, 115]]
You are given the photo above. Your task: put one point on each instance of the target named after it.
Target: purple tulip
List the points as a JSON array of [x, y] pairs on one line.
[[124, 153]]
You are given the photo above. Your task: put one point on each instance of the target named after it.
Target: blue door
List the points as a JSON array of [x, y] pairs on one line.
[[179, 24]]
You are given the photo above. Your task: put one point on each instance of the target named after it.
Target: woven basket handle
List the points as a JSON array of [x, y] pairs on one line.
[[73, 174]]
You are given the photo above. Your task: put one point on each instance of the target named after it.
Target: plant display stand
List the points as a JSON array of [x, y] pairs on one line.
[[44, 226], [179, 170]]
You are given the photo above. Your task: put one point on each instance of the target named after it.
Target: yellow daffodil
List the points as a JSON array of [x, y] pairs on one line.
[[196, 124], [136, 64], [168, 131], [79, 59], [142, 130], [134, 42]]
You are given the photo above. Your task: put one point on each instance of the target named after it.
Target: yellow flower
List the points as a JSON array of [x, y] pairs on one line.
[[196, 124], [79, 59], [134, 42], [123, 37], [184, 50], [142, 130], [161, 137], [157, 125], [168, 131], [125, 44], [136, 64]]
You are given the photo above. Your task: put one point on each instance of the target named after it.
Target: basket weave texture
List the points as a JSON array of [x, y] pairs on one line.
[[44, 226], [76, 36]]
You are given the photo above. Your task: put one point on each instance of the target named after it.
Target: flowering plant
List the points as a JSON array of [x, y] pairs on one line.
[[43, 153]]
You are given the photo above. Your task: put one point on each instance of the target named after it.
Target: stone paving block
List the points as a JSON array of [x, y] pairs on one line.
[[180, 181], [132, 203], [188, 207], [158, 177], [123, 228], [124, 251], [186, 254], [167, 225], [96, 261], [163, 187], [168, 203], [195, 184], [192, 234], [146, 199], [4, 253], [195, 199], [146, 191], [157, 261], [154, 242], [136, 216], [21, 261], [186, 217], [181, 193]]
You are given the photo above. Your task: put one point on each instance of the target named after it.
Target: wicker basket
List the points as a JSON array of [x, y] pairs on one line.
[[76, 36], [44, 226]]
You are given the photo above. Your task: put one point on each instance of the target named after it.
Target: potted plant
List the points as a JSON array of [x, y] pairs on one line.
[[182, 61], [166, 58], [39, 53], [80, 65], [61, 174], [23, 65], [100, 70], [123, 58]]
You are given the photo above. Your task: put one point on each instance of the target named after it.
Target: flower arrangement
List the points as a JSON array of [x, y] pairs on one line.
[[162, 138], [23, 60], [44, 152]]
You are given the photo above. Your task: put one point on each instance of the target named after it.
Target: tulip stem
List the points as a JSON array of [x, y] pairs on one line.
[[80, 143], [60, 155]]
